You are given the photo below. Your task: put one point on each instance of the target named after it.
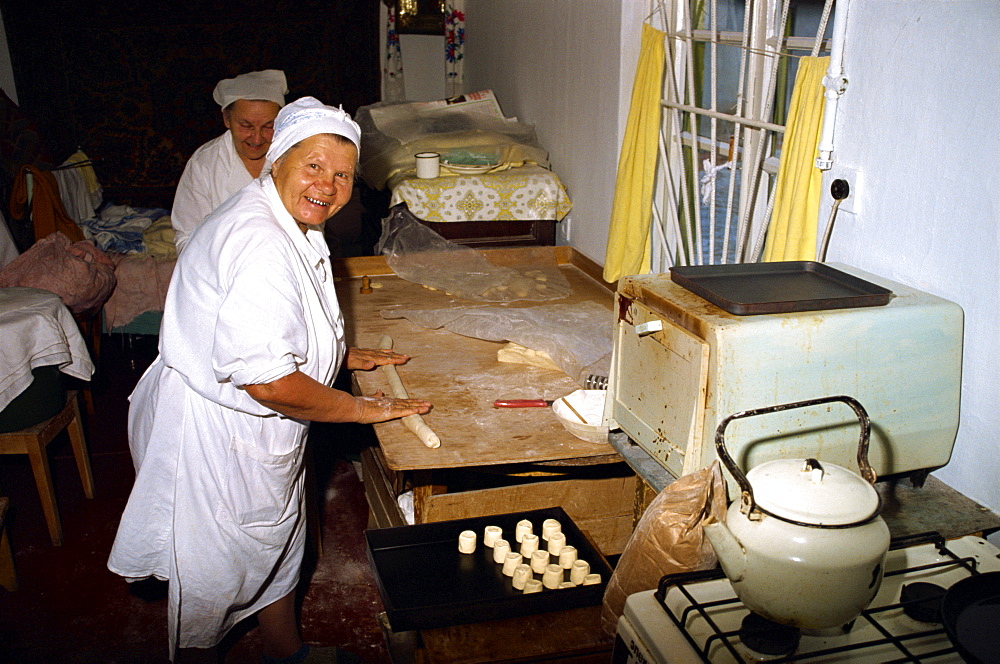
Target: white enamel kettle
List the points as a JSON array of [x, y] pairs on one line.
[[804, 545]]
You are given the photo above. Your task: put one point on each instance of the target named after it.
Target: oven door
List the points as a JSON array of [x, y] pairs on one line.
[[658, 387]]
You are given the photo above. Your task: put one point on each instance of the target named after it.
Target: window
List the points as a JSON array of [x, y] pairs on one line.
[[729, 75]]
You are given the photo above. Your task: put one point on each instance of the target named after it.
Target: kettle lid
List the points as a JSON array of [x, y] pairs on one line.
[[808, 491]]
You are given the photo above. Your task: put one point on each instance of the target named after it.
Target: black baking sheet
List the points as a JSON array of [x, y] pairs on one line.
[[781, 287], [425, 582]]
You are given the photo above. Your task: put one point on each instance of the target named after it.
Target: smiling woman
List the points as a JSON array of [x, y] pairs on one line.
[[315, 178], [252, 337]]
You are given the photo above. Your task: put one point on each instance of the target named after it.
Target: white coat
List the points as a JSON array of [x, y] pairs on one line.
[[213, 173], [217, 505]]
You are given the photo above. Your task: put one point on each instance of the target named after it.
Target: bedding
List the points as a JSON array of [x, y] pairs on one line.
[[142, 286], [82, 275], [140, 244]]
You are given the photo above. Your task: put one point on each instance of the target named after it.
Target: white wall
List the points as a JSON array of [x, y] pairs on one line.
[[423, 62], [559, 65], [916, 134]]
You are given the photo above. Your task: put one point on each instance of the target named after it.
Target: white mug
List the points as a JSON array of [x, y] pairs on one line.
[[428, 165]]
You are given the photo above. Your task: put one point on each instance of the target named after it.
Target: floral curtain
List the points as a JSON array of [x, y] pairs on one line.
[[393, 85], [454, 46]]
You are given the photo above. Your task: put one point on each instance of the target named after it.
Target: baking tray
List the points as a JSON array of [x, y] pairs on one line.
[[426, 583], [782, 287]]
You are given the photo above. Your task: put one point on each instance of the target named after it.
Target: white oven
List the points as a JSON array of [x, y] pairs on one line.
[[682, 364]]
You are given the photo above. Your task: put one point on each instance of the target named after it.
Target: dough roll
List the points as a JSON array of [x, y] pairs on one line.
[[414, 423]]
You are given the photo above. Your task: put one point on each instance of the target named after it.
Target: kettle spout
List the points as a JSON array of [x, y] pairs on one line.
[[730, 552]]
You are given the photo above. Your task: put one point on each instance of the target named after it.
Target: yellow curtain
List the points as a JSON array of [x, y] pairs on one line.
[[628, 235], [791, 235]]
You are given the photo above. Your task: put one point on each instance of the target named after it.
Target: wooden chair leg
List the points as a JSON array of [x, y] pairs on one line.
[[8, 575], [43, 480], [75, 430]]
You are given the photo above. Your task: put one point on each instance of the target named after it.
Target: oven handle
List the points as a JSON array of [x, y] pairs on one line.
[[747, 501]]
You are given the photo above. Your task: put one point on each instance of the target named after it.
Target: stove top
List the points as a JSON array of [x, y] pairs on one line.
[[696, 617]]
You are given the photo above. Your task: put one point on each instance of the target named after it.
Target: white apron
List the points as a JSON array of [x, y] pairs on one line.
[[217, 506]]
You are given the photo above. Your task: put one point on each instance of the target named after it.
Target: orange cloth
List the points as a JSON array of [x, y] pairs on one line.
[[47, 212]]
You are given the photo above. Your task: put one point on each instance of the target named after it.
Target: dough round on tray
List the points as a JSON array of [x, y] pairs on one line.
[[532, 586], [467, 541], [529, 545], [556, 543], [491, 534], [552, 576], [511, 561], [550, 526], [500, 550], [567, 556], [539, 561], [523, 528], [522, 573], [579, 571]]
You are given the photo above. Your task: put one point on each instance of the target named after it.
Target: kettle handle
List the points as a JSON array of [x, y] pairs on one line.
[[747, 503]]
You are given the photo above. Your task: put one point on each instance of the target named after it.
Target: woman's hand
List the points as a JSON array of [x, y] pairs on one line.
[[380, 408], [366, 359]]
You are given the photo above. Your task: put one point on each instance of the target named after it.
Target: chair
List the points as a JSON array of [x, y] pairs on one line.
[[8, 575], [90, 328], [34, 440]]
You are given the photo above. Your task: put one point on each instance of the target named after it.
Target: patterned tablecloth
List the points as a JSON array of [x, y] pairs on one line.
[[517, 194]]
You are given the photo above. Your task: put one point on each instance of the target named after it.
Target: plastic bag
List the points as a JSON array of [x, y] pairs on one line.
[[577, 337], [418, 254], [392, 132], [667, 540]]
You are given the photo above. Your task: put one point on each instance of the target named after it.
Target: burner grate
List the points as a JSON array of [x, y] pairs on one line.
[[706, 611]]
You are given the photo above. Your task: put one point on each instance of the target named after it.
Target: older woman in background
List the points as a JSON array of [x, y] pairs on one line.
[[252, 337]]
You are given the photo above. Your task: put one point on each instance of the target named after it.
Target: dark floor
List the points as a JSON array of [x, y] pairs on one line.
[[71, 609]]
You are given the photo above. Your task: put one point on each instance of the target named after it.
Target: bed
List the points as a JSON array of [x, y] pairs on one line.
[[495, 185], [143, 269]]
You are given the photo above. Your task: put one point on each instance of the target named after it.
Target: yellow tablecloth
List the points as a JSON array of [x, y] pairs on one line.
[[517, 194]]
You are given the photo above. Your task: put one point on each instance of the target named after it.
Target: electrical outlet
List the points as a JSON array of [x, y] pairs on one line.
[[855, 182]]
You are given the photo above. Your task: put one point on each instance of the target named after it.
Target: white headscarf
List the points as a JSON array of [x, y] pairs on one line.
[[267, 85], [307, 117]]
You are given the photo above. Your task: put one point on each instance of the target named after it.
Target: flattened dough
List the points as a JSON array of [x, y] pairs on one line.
[[518, 354]]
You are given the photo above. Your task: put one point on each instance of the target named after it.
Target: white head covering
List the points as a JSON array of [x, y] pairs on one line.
[[267, 85], [307, 117]]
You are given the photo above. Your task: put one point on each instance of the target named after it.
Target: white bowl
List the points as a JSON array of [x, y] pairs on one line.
[[590, 405]]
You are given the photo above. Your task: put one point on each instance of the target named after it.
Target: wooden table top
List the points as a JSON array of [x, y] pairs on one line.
[[461, 375]]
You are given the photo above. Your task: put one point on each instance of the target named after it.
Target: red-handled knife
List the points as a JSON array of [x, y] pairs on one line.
[[521, 403]]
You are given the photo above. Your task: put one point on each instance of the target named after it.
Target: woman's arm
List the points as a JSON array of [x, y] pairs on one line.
[[299, 396]]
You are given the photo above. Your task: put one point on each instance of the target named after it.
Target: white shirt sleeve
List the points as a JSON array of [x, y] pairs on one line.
[[261, 330], [192, 203], [213, 174]]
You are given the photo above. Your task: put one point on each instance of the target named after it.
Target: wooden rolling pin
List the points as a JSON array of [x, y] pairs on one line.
[[414, 423]]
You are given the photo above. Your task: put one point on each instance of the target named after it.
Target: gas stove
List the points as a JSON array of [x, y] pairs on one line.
[[696, 617]]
